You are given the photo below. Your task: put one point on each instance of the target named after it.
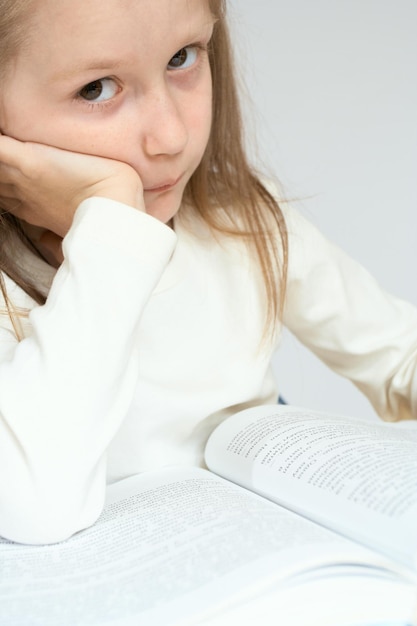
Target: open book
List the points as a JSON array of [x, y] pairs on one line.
[[331, 539]]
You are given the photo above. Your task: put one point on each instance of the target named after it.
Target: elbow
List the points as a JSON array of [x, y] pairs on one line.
[[35, 529], [28, 519]]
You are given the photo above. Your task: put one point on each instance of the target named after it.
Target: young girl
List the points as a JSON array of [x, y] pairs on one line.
[[158, 319]]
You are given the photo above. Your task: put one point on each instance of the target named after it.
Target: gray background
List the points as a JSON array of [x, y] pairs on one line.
[[332, 92]]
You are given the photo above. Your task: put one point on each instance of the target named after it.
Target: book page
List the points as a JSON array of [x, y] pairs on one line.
[[357, 477], [170, 546]]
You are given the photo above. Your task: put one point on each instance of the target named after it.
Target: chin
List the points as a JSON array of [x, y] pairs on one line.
[[163, 210]]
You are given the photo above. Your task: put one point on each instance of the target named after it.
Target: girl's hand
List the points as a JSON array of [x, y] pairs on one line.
[[44, 185]]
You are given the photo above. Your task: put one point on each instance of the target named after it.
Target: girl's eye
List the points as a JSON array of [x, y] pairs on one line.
[[184, 58], [99, 90]]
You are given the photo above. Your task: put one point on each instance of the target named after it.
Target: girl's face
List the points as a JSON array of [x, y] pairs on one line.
[[124, 79]]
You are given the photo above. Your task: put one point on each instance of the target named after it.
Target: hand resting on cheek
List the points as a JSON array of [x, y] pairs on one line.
[[43, 185]]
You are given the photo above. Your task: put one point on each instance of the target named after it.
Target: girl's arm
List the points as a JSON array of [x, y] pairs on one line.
[[340, 312], [65, 389], [44, 185]]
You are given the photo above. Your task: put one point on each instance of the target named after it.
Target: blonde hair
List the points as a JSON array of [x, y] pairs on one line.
[[224, 179]]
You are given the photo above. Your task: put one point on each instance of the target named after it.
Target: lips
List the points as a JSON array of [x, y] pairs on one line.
[[164, 185]]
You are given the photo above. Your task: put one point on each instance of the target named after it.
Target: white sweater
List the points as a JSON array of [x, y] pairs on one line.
[[151, 336]]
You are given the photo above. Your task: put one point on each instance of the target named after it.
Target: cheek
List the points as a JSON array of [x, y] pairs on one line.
[[96, 140], [23, 114], [41, 124], [19, 122], [66, 134], [200, 121], [88, 138]]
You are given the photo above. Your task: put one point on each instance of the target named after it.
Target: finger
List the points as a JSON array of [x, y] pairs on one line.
[[8, 174], [7, 189], [11, 151], [8, 192], [19, 209], [10, 205], [17, 159]]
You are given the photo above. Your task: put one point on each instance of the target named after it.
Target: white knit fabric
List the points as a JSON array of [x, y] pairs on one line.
[[149, 337]]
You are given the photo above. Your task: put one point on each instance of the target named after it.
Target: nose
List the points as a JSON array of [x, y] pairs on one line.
[[164, 128]]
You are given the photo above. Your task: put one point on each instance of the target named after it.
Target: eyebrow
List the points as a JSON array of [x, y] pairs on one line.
[[105, 65], [91, 65]]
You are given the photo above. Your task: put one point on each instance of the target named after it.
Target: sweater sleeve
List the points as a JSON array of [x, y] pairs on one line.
[[65, 388], [337, 309]]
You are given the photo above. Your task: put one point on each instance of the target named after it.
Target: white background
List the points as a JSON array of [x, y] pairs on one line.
[[332, 92]]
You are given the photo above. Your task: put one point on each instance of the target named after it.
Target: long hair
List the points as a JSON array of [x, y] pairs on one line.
[[14, 16], [224, 179]]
